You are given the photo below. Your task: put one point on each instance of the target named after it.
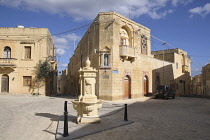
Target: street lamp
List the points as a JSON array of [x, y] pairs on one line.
[[163, 62]]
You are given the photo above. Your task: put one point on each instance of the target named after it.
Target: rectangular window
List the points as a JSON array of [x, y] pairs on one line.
[[27, 81], [27, 52], [177, 65]]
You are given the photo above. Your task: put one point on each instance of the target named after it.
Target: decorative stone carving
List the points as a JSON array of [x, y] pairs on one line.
[[87, 105]]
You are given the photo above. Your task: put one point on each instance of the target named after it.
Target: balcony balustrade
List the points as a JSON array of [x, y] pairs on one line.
[[7, 62], [128, 51], [185, 68]]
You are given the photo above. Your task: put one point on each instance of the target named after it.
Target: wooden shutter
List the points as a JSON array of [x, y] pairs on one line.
[[27, 52]]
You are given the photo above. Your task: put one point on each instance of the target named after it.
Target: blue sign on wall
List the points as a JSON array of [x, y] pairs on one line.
[[115, 71]]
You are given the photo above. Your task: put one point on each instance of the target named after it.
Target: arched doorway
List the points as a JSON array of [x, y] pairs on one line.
[[5, 83], [146, 85], [127, 87]]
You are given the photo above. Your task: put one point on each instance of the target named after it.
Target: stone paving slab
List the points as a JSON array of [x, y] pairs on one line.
[[81, 130], [109, 120]]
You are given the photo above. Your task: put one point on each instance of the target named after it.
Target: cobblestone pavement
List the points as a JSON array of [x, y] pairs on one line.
[[156, 119], [25, 117]]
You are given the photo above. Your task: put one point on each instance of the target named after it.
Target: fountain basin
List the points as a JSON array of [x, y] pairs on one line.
[[87, 112]]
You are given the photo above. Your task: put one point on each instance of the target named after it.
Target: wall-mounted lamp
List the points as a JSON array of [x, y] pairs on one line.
[[13, 78], [96, 51]]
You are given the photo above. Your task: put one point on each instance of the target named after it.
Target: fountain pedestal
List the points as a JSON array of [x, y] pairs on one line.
[[87, 105]]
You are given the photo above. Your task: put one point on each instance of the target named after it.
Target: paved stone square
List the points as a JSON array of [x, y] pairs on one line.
[[182, 118], [27, 117]]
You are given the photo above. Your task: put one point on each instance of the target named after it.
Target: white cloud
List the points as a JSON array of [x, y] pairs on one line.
[[88, 9], [65, 42], [156, 15], [63, 65], [185, 2], [196, 71], [60, 52], [202, 11]]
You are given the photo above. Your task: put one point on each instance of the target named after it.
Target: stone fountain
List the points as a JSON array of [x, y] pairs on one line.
[[87, 104]]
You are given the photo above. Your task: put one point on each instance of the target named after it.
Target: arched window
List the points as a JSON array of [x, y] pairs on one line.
[[125, 36], [7, 52]]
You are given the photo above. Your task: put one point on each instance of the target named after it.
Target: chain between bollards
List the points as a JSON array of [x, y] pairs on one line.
[[125, 113], [65, 129]]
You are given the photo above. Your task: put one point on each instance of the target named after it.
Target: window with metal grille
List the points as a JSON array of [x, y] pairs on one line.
[[144, 44]]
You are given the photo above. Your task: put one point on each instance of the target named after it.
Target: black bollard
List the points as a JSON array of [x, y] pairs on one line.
[[65, 130], [125, 113]]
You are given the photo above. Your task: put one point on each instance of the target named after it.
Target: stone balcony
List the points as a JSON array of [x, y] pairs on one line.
[[8, 62], [185, 68], [128, 52]]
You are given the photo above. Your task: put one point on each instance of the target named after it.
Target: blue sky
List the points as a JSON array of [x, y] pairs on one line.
[[184, 24]]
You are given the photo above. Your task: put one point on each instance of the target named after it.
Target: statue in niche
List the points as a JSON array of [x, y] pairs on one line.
[[88, 88]]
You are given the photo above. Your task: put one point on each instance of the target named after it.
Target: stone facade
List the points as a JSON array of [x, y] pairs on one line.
[[63, 82], [201, 82], [181, 69], [120, 50], [206, 79], [21, 49], [197, 87]]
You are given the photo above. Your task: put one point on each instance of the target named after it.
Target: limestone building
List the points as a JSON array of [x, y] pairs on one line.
[[197, 85], [63, 82], [120, 50], [21, 49], [181, 70], [201, 82], [206, 79]]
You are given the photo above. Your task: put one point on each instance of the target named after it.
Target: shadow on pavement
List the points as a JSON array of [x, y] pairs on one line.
[[54, 118], [113, 118], [64, 96]]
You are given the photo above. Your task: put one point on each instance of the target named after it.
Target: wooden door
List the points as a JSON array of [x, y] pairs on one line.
[[5, 83], [127, 89]]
